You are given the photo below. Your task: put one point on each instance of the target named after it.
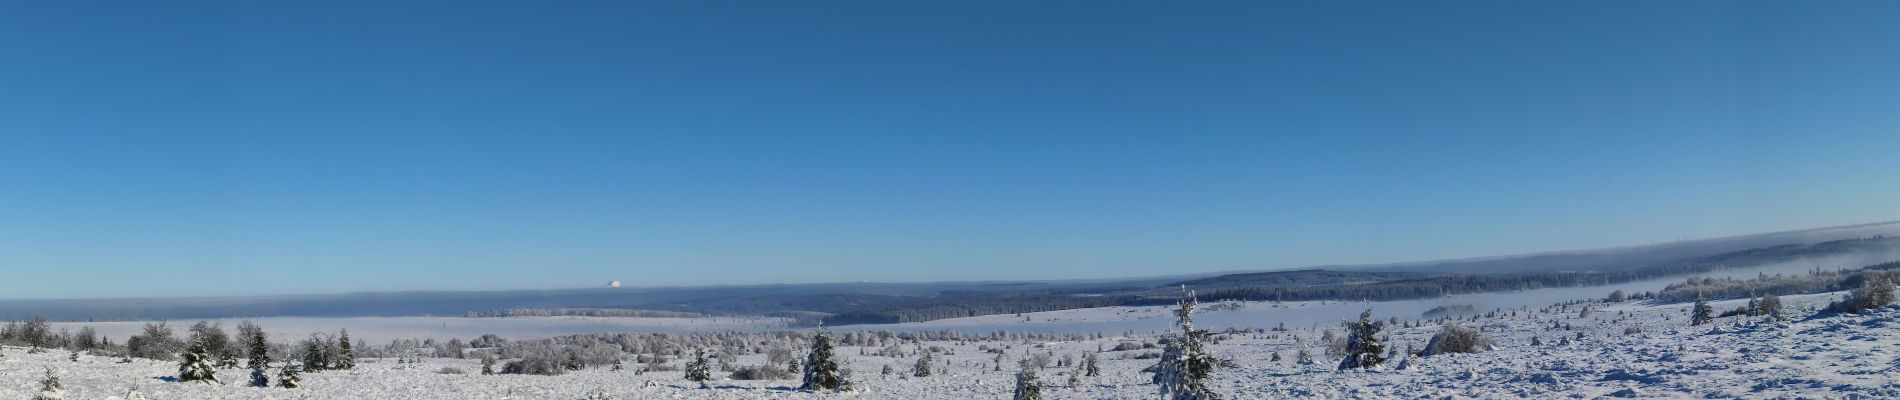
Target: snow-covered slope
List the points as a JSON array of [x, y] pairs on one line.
[[1626, 349]]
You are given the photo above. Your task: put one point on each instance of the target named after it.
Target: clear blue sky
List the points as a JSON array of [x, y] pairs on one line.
[[256, 147]]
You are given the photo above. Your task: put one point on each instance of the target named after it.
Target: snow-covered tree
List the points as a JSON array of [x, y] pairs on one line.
[[195, 366], [50, 389], [1185, 365], [1363, 349], [313, 359], [821, 371], [216, 343], [922, 369], [1092, 364], [287, 377], [260, 355], [346, 357], [1873, 293], [1027, 386], [155, 342], [488, 364], [699, 370], [1702, 313]]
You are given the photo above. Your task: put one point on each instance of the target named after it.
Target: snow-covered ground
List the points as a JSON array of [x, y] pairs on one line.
[[1851, 356]]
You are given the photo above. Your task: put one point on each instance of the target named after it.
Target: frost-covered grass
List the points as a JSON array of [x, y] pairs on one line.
[[1849, 356]]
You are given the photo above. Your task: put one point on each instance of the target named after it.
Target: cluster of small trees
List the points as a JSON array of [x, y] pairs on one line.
[[1873, 292]]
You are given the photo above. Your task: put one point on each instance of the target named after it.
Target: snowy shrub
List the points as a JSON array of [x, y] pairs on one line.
[[532, 366], [1126, 346], [1632, 330], [760, 373], [1873, 293], [1455, 339], [598, 394], [451, 371], [156, 342]]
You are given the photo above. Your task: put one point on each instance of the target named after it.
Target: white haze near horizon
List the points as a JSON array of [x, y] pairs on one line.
[[1109, 320]]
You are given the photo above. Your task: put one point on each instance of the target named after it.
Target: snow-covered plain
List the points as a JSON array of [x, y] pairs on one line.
[[1849, 356]]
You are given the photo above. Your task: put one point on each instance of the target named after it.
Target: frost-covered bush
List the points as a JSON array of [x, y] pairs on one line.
[[451, 371], [1873, 293], [1455, 339], [761, 373], [532, 366]]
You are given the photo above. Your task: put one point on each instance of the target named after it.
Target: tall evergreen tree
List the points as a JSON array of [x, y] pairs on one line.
[[260, 357], [195, 366], [1702, 313], [313, 359], [1362, 343], [1185, 365], [821, 371], [346, 357]]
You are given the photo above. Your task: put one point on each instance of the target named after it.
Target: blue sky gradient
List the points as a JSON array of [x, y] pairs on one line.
[[259, 147]]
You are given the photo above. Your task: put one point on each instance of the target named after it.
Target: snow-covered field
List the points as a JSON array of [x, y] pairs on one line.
[[1851, 356]]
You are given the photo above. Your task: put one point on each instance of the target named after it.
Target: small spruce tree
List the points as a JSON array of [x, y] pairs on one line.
[[1185, 365], [195, 366], [1027, 386], [50, 389], [1363, 349], [346, 357], [488, 364], [313, 360], [259, 360], [922, 369], [698, 370], [1702, 312], [821, 371], [287, 377]]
